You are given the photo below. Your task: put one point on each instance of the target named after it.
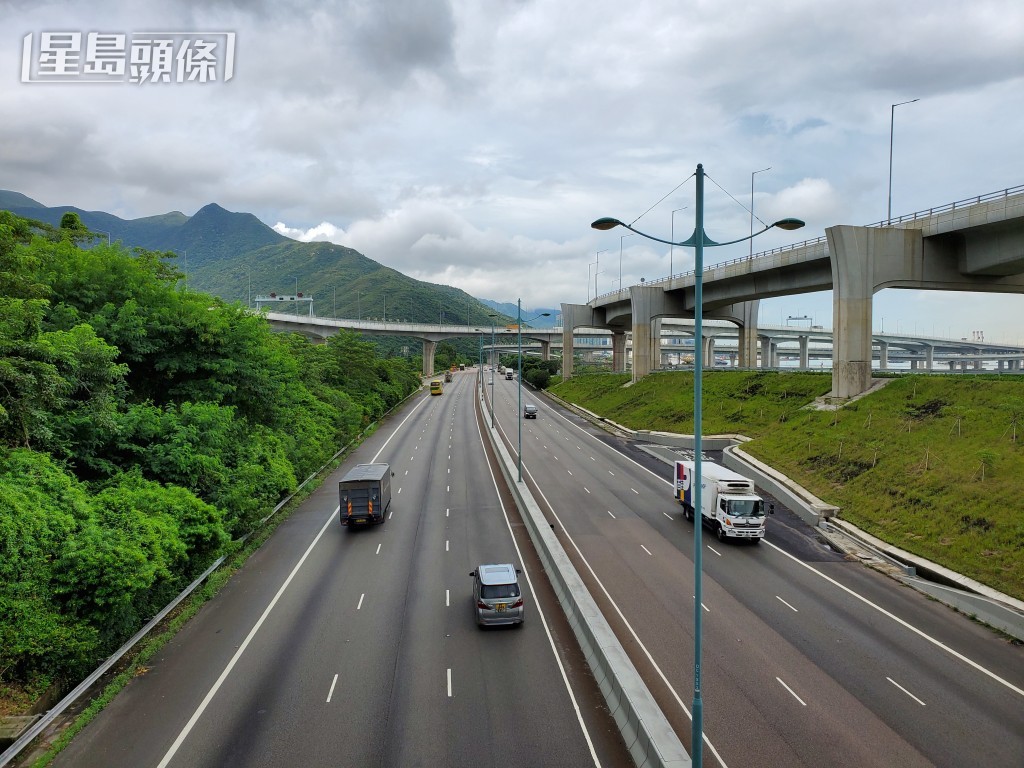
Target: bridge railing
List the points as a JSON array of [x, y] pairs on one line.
[[966, 202]]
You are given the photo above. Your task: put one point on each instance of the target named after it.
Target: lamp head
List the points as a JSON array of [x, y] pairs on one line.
[[606, 223], [789, 224]]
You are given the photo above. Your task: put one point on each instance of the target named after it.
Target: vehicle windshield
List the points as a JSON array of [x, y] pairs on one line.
[[745, 507], [497, 591]]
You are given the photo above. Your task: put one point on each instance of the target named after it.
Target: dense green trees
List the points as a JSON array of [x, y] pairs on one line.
[[142, 428]]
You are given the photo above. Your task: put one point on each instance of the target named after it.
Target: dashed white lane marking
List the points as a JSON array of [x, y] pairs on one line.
[[378, 548], [449, 682], [569, 471], [714, 550], [446, 545], [359, 605], [634, 490], [447, 598], [645, 549], [334, 682], [613, 516], [786, 604], [791, 691], [906, 691], [399, 490], [586, 489], [611, 473], [666, 514]]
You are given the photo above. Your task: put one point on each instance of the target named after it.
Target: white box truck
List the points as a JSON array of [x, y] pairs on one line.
[[729, 503]]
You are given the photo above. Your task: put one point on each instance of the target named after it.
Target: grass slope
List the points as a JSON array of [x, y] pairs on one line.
[[932, 464]]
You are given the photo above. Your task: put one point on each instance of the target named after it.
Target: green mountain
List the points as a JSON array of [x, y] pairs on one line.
[[238, 257]]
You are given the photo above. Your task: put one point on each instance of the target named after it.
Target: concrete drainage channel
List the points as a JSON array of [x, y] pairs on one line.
[[651, 741]]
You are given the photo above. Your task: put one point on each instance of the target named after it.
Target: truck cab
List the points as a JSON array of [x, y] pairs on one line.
[[729, 502]]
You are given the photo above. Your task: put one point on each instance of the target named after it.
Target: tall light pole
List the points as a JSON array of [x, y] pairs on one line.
[[671, 248], [492, 316], [620, 259], [698, 240], [752, 208], [598, 267], [892, 119], [519, 415], [589, 265]]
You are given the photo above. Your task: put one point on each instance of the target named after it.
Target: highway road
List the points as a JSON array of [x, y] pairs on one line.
[[359, 648], [808, 660]]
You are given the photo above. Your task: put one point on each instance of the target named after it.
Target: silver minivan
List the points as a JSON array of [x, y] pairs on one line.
[[497, 598]]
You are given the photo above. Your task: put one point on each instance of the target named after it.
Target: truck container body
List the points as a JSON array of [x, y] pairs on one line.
[[365, 494], [509, 373], [729, 502]]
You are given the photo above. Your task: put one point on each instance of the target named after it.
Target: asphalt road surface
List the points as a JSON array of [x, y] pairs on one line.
[[807, 660], [360, 648]]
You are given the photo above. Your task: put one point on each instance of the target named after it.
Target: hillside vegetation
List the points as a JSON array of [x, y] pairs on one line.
[[143, 428], [932, 464]]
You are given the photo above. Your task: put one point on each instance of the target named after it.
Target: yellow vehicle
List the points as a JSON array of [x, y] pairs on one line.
[[436, 387]]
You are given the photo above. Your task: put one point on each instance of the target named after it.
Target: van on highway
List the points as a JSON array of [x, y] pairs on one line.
[[497, 598]]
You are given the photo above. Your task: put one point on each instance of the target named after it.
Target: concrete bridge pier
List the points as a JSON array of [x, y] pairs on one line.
[[883, 355], [929, 357], [429, 347], [709, 352], [655, 353], [545, 350], [576, 316], [805, 353], [619, 351]]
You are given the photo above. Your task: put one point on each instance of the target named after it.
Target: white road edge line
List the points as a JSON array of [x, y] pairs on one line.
[[905, 691], [904, 623], [791, 691], [169, 755], [543, 619], [625, 621], [878, 608], [333, 683]]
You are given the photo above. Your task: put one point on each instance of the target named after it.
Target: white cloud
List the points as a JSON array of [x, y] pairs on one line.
[[473, 143]]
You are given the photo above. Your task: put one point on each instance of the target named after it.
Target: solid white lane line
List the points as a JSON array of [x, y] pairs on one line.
[[540, 612], [334, 682], [449, 682], [645, 549], [906, 691], [786, 604], [610, 513], [169, 755], [902, 623], [791, 691], [378, 547], [359, 605], [714, 550]]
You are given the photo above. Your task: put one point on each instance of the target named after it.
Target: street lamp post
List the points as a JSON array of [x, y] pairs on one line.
[[698, 240], [673, 237], [620, 259], [492, 316], [892, 118], [598, 267], [752, 208], [519, 415]]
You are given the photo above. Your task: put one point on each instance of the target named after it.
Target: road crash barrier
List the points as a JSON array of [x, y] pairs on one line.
[[651, 741]]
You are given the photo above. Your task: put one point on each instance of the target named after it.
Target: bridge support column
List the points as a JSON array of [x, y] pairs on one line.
[[545, 350], [999, 365], [862, 258], [655, 353], [773, 354], [766, 352], [428, 357], [805, 353], [883, 355], [645, 304], [619, 351], [709, 352], [573, 316], [929, 357]]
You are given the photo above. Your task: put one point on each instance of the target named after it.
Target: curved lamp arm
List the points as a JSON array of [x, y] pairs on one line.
[[610, 223]]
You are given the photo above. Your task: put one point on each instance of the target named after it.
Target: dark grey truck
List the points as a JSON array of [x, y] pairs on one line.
[[365, 494]]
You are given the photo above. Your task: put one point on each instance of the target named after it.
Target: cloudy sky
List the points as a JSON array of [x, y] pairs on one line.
[[471, 142]]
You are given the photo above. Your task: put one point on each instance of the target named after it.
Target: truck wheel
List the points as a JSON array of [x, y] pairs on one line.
[[688, 512], [720, 532]]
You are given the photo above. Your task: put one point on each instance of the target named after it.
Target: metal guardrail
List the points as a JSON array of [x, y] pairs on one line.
[[30, 734], [1005, 193]]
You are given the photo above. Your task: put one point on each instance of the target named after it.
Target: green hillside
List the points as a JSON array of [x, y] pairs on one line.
[[931, 464], [235, 256]]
